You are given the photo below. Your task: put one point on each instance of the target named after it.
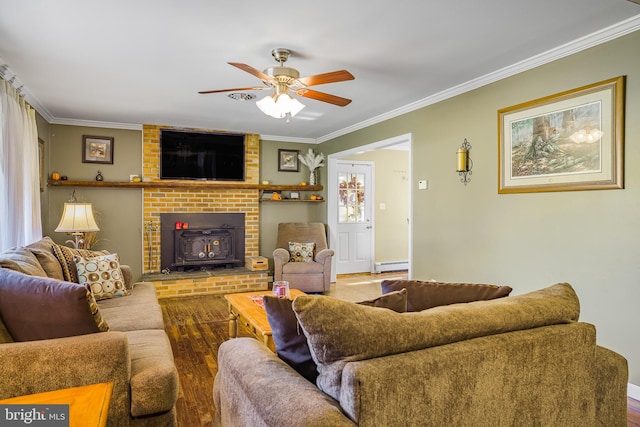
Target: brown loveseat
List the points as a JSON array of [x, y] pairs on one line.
[[521, 360], [135, 354]]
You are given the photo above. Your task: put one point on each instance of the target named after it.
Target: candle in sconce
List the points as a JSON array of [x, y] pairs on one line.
[[461, 160]]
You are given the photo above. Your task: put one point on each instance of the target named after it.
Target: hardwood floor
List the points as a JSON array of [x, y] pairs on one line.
[[198, 325]]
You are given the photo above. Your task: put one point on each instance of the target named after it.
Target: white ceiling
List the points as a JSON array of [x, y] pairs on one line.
[[122, 63]]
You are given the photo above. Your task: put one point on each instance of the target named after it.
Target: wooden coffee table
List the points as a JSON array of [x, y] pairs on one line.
[[245, 310]]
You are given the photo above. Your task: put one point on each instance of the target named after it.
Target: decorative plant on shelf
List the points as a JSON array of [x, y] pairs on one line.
[[312, 161]]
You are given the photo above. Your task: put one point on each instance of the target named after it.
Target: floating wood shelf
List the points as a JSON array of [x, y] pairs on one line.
[[291, 201], [196, 185]]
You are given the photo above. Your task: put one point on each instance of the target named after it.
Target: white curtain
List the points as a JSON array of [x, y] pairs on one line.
[[20, 222]]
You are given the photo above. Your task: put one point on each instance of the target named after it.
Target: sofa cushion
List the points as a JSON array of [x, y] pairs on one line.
[[154, 378], [339, 332], [102, 273], [21, 260], [36, 308], [291, 343], [43, 250], [301, 252], [65, 257], [133, 317], [424, 295]]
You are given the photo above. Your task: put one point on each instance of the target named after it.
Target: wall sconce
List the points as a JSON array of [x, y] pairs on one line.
[[463, 162]]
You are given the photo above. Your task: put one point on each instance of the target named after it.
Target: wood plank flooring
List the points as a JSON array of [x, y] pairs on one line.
[[198, 325]]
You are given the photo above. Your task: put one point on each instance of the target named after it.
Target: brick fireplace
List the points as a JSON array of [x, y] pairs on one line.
[[163, 200]]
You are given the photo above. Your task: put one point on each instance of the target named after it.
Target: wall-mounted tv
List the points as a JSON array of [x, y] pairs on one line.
[[201, 155]]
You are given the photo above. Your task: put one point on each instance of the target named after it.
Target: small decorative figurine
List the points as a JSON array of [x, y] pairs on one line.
[[99, 177]]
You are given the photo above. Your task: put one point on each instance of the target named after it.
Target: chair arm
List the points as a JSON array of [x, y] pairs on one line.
[[46, 365], [324, 256], [254, 387], [280, 258], [127, 276]]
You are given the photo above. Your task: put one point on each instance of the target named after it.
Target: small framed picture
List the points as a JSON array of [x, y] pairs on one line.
[[97, 149], [294, 195], [288, 160]]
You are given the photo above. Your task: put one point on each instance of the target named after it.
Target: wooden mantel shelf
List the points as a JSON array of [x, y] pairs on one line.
[[185, 185]]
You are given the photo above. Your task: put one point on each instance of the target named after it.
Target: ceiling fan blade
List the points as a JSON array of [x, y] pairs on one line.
[[332, 77], [249, 69], [324, 97], [233, 90]]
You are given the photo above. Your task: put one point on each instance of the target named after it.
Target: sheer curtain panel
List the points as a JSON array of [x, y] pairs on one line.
[[20, 222]]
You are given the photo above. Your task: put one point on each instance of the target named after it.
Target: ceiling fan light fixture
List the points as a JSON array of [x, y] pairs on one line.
[[278, 106]]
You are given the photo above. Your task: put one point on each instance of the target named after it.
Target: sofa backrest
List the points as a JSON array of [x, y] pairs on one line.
[[339, 332], [302, 232]]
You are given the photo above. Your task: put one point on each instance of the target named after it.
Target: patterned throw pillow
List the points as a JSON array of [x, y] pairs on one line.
[[301, 252], [65, 257], [95, 311], [103, 274]]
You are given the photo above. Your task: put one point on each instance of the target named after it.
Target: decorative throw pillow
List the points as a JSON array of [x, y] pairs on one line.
[[423, 295], [102, 273], [43, 251], [291, 343], [396, 301], [65, 257], [339, 332], [37, 308], [22, 261], [301, 252]]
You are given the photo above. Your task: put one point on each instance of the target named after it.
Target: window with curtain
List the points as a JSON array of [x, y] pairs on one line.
[[20, 222]]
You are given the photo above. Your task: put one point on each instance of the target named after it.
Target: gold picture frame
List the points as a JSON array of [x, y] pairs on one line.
[[569, 141]]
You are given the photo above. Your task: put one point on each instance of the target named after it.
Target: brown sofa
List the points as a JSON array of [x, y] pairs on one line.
[[521, 360], [135, 354]]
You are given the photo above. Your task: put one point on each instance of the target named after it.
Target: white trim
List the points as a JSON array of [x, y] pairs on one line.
[[633, 391], [288, 139], [96, 124]]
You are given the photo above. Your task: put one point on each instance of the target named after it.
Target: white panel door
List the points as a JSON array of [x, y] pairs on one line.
[[355, 225]]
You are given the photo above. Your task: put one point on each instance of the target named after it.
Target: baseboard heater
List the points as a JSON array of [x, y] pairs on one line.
[[381, 267]]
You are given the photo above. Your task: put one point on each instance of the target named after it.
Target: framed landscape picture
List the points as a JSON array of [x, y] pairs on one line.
[[97, 149], [573, 140]]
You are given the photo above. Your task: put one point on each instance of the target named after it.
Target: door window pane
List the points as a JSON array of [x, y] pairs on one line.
[[350, 197]]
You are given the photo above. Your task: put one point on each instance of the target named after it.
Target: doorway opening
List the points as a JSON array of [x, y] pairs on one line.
[[390, 217]]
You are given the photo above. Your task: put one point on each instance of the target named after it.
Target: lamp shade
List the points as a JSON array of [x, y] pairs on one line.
[[77, 217], [278, 106]]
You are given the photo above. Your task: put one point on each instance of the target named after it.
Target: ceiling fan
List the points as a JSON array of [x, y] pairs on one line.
[[286, 79]]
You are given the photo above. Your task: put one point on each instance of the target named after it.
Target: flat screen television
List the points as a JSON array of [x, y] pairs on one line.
[[201, 155]]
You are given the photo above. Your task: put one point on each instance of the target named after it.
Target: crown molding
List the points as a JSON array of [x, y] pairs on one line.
[[618, 30], [96, 124]]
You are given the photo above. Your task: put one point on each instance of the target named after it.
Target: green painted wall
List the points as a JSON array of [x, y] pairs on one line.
[[118, 211], [271, 214], [590, 239]]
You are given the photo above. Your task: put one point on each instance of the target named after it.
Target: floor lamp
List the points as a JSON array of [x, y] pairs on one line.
[[77, 218]]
